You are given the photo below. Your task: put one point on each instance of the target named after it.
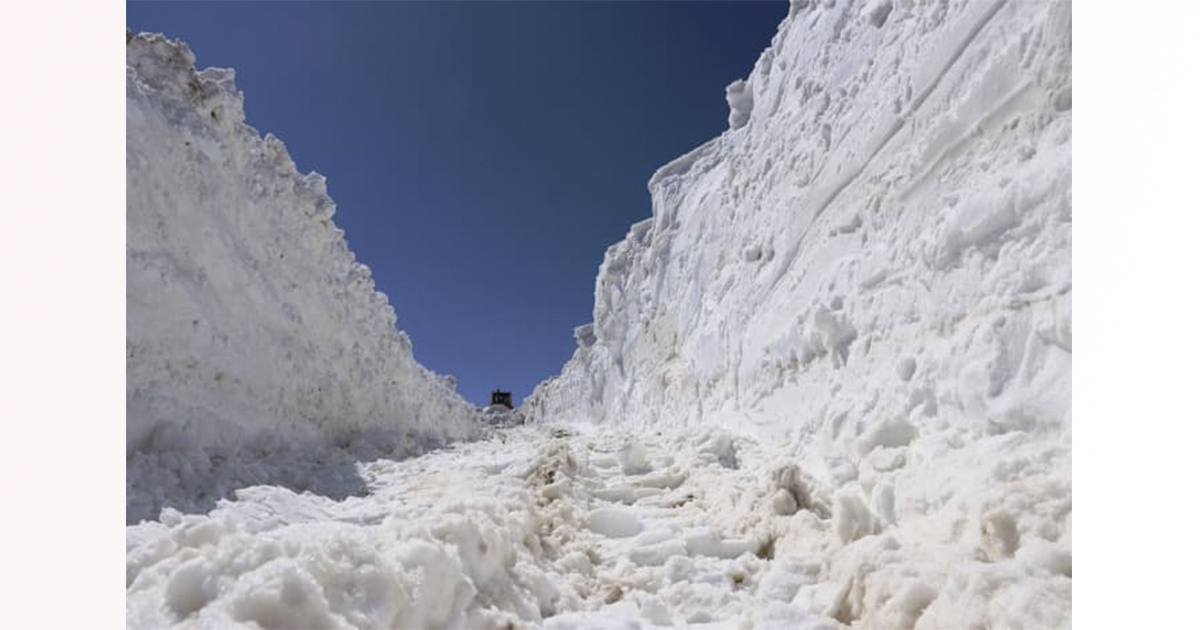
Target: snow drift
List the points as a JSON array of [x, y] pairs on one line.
[[248, 322], [871, 267]]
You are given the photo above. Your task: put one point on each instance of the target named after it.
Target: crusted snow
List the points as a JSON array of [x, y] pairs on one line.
[[827, 383]]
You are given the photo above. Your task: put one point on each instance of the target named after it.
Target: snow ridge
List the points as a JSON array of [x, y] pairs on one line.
[[264, 333]]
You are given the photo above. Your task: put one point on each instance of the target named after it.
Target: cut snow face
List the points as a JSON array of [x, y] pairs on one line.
[[883, 233], [257, 349], [827, 383], [873, 264]]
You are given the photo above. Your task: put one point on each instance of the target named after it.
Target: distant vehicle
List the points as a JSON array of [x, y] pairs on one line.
[[502, 398]]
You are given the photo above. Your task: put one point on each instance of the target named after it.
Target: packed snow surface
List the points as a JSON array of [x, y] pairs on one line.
[[827, 383], [252, 335], [542, 526]]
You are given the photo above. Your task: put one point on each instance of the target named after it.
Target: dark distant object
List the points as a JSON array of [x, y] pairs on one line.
[[502, 398]]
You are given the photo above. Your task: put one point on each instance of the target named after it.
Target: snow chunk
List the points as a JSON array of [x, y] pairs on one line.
[[280, 594], [878, 12], [192, 585], [999, 537], [614, 522], [784, 503], [888, 434], [906, 368], [585, 336], [705, 542], [633, 458], [740, 97], [852, 518]]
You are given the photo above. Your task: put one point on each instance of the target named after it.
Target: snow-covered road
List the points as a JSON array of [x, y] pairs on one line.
[[531, 524], [826, 383], [545, 526]]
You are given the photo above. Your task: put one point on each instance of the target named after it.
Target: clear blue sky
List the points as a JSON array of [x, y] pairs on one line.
[[482, 155]]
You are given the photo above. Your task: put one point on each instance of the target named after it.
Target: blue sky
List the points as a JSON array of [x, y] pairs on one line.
[[483, 155]]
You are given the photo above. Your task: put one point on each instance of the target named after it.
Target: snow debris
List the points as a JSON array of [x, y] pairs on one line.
[[614, 522]]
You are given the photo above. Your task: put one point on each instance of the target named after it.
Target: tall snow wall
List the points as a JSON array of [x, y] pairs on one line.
[[246, 313], [878, 248]]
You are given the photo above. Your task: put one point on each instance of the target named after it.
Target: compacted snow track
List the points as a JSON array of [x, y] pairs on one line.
[[545, 526], [534, 525]]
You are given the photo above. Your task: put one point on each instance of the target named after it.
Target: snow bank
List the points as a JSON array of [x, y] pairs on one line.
[[871, 267], [890, 212], [250, 328]]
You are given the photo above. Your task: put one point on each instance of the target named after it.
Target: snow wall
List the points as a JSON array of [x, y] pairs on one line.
[[872, 264], [246, 313], [882, 237]]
